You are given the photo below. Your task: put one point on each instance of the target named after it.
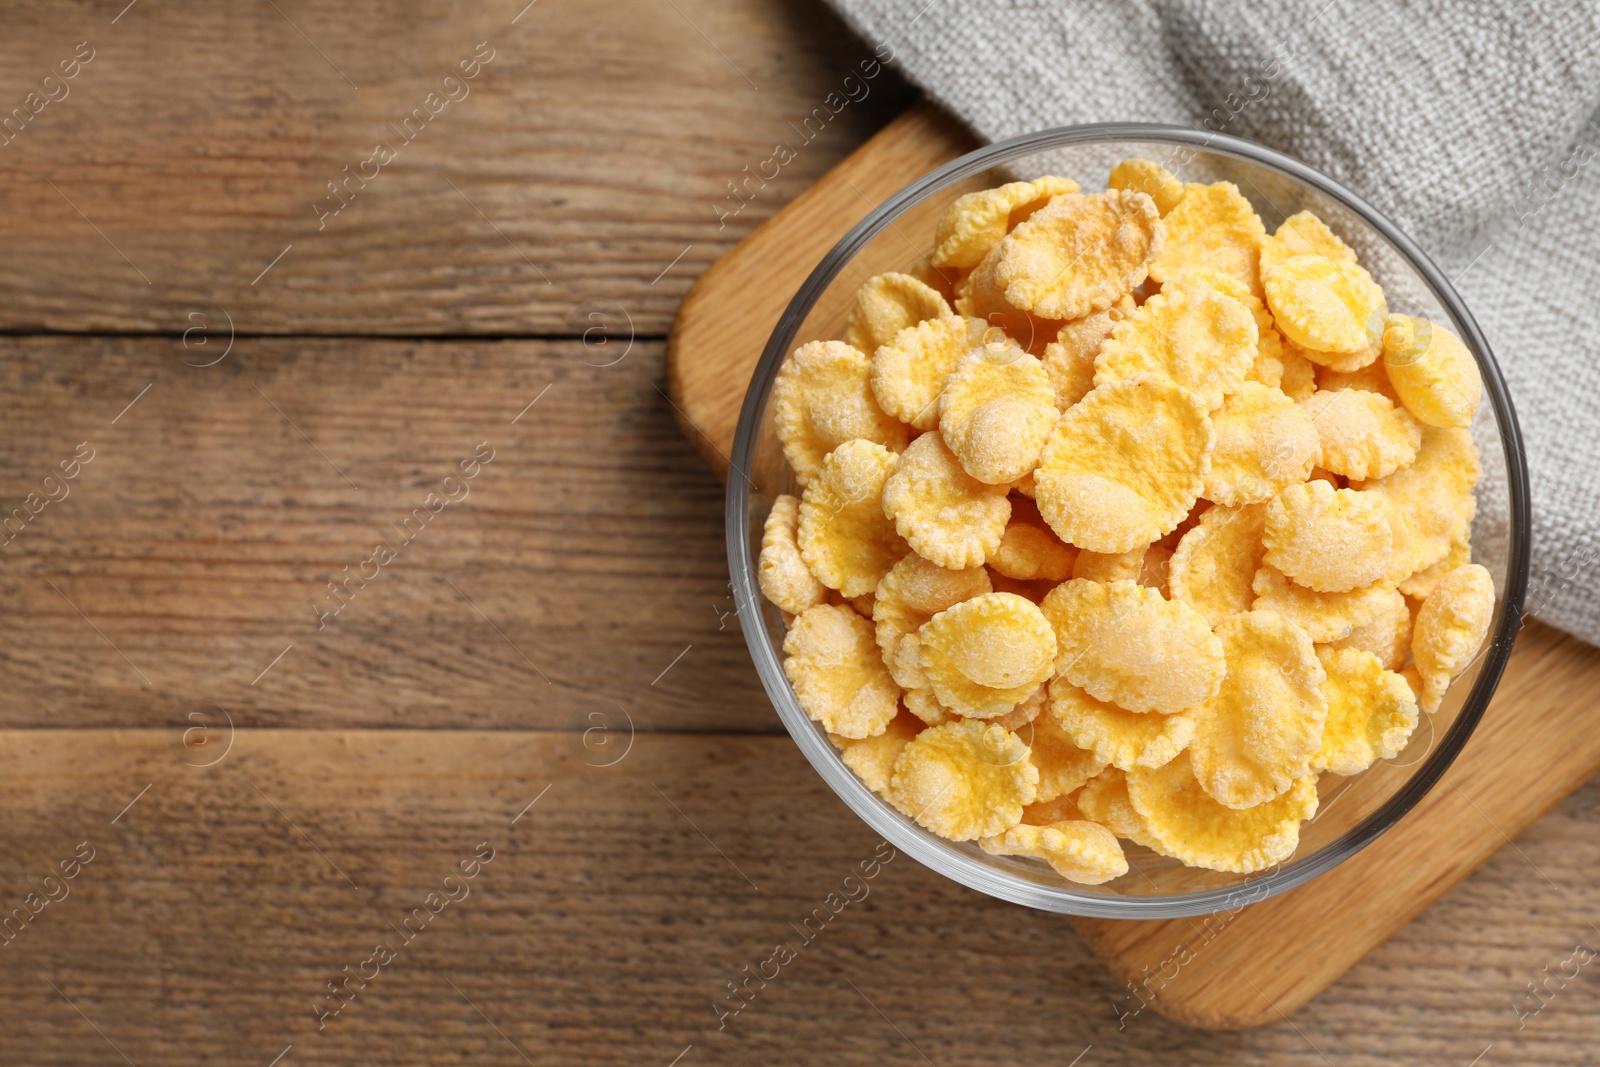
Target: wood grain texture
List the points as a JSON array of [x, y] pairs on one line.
[[1534, 746], [596, 147], [728, 313], [198, 543], [616, 909]]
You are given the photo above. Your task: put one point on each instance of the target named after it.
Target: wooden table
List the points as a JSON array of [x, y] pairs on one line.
[[271, 776]]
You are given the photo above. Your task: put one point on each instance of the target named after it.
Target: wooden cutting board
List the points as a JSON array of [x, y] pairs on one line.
[[1536, 743]]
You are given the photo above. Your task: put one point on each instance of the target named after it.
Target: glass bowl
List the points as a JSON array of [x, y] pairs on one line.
[[898, 236]]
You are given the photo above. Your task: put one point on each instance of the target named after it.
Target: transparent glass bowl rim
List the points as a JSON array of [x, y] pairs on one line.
[[950, 861]]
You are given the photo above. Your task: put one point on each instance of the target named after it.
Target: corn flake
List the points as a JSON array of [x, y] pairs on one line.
[[1303, 234], [822, 399], [1331, 308], [924, 705], [1215, 563], [1257, 734], [1030, 552], [1069, 359], [1079, 851], [873, 758], [1212, 228], [1187, 824], [1123, 739], [976, 222], [1128, 645], [1324, 617], [1451, 627], [1432, 371], [1202, 339], [913, 592], [1265, 443], [887, 304], [1063, 764], [1079, 253], [981, 295], [986, 655], [844, 536], [1432, 499], [1371, 712], [1387, 637], [964, 780], [946, 515], [1151, 179], [1125, 464], [838, 676], [908, 372], [782, 574], [1330, 540], [1361, 434], [1104, 799], [996, 412]]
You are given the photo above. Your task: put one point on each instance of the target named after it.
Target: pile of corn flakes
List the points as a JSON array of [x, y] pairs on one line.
[[1125, 521]]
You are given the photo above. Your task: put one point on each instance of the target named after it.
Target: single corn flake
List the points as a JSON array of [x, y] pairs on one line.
[[976, 222], [981, 296], [1104, 799], [837, 674], [1069, 359], [1125, 464], [1451, 626], [964, 780], [844, 536], [784, 578], [1330, 540], [1423, 582], [1215, 563], [1079, 253], [946, 515], [1128, 645], [1303, 234], [821, 399], [1387, 637], [924, 705], [1063, 764], [1199, 337], [1371, 712], [1432, 499], [1110, 566], [996, 412], [1030, 552], [1124, 739], [1189, 825], [1360, 434], [1212, 228], [1299, 373], [1151, 179], [1372, 378], [908, 372], [1331, 308], [1255, 737], [1325, 617], [1432, 371], [1082, 852], [1265, 443], [985, 655], [913, 592], [887, 304], [873, 758]]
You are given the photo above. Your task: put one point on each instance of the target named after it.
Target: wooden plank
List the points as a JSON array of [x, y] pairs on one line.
[[1534, 747], [728, 313], [217, 907], [198, 542], [598, 145]]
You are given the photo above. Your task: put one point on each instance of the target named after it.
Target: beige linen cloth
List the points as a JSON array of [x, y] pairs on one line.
[[1471, 125]]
